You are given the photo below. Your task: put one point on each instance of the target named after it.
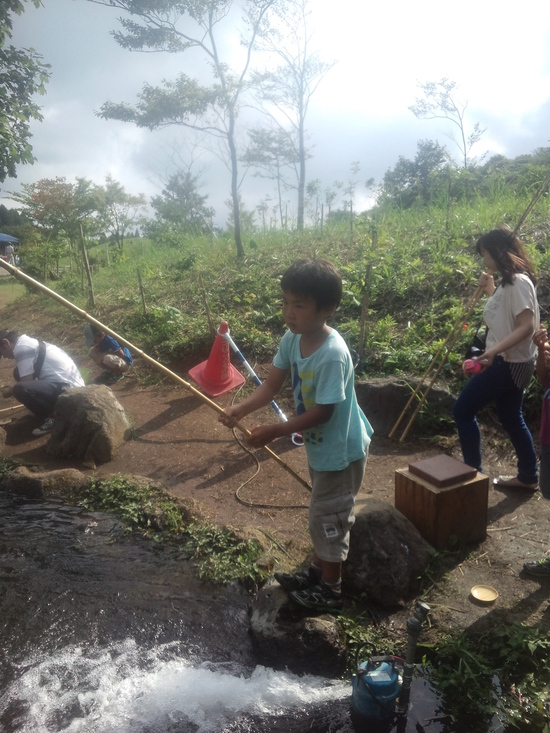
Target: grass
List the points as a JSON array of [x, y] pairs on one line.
[[10, 290]]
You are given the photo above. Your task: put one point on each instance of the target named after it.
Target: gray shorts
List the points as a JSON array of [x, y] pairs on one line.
[[331, 509]]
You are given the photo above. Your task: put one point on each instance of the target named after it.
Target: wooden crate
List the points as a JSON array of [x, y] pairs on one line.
[[439, 513]]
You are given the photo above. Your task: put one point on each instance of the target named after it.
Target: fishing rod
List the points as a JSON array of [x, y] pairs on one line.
[[83, 314]]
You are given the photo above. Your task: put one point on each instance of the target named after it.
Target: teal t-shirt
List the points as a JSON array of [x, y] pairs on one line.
[[326, 378]]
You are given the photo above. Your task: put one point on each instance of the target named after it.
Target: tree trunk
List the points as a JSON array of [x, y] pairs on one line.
[[235, 186]]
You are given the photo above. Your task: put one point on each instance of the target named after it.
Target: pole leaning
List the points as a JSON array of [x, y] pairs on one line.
[[83, 314]]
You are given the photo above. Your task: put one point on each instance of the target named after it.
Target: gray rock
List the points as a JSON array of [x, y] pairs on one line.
[[386, 556], [44, 484], [383, 400], [286, 639], [89, 424]]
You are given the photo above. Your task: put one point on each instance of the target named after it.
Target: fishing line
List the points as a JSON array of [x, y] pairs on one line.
[[238, 497]]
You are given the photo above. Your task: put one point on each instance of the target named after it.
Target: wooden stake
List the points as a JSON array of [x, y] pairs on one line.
[[71, 306]]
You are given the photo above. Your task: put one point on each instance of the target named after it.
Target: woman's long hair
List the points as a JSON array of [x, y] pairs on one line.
[[508, 252]]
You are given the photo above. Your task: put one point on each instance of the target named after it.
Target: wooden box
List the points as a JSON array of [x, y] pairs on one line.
[[457, 510]]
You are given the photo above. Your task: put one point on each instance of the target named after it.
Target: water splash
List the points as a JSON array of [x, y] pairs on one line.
[[126, 689]]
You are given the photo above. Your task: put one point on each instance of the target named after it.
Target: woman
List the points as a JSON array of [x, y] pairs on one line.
[[512, 316]]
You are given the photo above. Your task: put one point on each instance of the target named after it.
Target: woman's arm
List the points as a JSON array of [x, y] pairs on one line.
[[525, 326]]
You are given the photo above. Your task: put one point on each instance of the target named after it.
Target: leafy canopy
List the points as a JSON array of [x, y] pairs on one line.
[[22, 75]]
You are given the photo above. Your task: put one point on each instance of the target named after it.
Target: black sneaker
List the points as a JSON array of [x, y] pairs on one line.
[[539, 568], [297, 581], [318, 598]]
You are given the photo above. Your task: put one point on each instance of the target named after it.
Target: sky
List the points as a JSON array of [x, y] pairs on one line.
[[497, 53]]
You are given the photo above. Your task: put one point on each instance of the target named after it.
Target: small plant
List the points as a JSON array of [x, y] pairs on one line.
[[219, 554], [6, 467]]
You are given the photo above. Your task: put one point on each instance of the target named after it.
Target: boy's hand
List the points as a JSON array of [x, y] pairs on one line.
[[232, 415], [262, 435]]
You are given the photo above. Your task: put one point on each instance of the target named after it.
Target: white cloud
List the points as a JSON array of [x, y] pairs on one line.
[[498, 54]]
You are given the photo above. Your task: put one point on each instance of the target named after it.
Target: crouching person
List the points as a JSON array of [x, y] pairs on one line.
[[107, 353], [42, 372]]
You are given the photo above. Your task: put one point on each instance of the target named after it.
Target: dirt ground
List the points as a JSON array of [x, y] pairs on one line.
[[179, 442]]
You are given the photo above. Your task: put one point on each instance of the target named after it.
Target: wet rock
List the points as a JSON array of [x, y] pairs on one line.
[[2, 437], [89, 424], [286, 639], [384, 399], [386, 556], [40, 485]]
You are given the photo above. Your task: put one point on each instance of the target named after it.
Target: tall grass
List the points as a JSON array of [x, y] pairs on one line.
[[412, 271]]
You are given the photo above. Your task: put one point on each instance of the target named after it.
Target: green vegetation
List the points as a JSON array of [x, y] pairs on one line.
[[10, 290], [409, 267], [220, 555], [504, 673]]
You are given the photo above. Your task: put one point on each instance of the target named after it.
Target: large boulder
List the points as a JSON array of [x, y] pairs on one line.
[[386, 555], [384, 399], [89, 424]]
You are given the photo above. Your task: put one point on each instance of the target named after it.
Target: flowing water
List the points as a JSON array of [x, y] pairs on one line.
[[101, 633]]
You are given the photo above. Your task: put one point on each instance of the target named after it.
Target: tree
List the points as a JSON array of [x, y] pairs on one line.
[[412, 181], [22, 75], [58, 209], [120, 209], [181, 204], [185, 26], [274, 154], [291, 85], [440, 102]]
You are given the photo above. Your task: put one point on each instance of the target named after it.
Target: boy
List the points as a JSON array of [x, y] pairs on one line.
[[108, 353], [336, 433]]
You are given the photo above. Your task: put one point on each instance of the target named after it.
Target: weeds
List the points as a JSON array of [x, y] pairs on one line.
[[219, 554], [505, 673]]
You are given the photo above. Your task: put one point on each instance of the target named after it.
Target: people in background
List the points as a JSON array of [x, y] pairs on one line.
[[508, 363], [42, 372], [10, 254], [115, 359]]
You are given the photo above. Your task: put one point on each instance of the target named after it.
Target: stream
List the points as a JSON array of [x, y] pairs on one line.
[[101, 632]]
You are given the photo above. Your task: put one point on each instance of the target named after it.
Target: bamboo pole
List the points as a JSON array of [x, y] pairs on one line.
[[451, 339], [71, 306], [11, 409]]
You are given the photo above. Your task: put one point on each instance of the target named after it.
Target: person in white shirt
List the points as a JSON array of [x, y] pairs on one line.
[[43, 371], [512, 316]]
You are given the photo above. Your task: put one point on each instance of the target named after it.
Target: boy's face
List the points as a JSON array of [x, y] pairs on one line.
[[302, 315]]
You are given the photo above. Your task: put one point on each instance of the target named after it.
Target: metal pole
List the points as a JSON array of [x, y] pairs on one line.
[[297, 438], [414, 627]]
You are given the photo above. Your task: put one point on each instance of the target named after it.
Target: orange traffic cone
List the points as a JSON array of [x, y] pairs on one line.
[[217, 375]]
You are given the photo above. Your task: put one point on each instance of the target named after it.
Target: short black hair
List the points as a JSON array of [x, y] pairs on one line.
[[317, 279], [10, 336]]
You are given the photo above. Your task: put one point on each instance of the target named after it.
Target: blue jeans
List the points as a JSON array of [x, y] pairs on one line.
[[495, 384]]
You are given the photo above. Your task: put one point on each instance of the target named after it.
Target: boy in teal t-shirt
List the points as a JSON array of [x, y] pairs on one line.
[[336, 433]]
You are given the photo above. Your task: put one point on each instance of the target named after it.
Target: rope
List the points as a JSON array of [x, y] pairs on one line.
[[245, 502]]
